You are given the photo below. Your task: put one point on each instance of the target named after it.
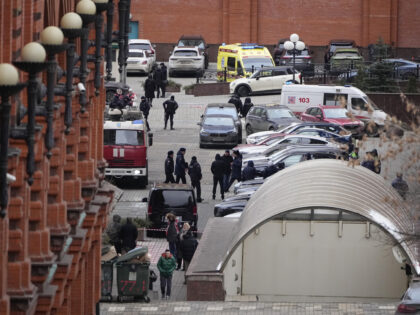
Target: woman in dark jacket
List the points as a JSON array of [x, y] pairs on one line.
[[236, 169], [172, 233]]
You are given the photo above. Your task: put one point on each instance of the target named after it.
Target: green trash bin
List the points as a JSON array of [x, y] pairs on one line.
[[132, 276], [107, 277]]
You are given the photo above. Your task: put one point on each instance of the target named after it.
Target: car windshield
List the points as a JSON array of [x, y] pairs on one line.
[[172, 199], [231, 111], [270, 141], [334, 47], [346, 54], [142, 46], [135, 54], [275, 113], [371, 103], [191, 42], [335, 113], [304, 52], [123, 137], [218, 121], [257, 63], [413, 294], [185, 53]]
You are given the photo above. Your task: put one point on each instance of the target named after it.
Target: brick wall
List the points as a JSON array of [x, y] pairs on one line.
[[67, 188]]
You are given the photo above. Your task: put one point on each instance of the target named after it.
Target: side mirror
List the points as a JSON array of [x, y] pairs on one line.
[[202, 116], [199, 124], [319, 117], [144, 199], [150, 134], [257, 78]]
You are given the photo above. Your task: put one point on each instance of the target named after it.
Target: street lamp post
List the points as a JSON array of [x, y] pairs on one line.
[[294, 45]]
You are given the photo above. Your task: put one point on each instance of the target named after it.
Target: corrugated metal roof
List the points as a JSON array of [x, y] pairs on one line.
[[326, 183]]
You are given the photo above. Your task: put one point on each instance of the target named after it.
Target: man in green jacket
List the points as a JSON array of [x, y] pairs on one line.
[[166, 266]]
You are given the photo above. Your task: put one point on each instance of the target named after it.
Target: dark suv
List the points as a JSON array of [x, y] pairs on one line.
[[196, 41], [278, 51], [334, 44], [176, 198]]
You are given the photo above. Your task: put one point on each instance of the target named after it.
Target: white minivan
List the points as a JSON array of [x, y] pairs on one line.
[[299, 97]]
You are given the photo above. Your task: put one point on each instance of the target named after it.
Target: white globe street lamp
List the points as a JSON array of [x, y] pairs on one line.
[[294, 45]]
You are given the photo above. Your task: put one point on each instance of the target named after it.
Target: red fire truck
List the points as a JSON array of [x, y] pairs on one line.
[[125, 150]]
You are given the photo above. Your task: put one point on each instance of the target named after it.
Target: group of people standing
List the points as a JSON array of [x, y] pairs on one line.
[[244, 108], [156, 82]]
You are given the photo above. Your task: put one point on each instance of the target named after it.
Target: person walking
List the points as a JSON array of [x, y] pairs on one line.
[[228, 159], [218, 168], [236, 100], [145, 108], [172, 233], [128, 235], [185, 228], [249, 171], [170, 106], [158, 80], [188, 245], [164, 71], [169, 168], [181, 166], [236, 169], [194, 170], [247, 106], [166, 266], [400, 185], [149, 89], [113, 231]]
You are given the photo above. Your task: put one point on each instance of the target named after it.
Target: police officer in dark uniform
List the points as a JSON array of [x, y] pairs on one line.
[[145, 108], [169, 168], [164, 71], [235, 100], [194, 170], [170, 107]]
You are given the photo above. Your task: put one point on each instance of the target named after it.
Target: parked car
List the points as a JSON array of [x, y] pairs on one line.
[[176, 198], [334, 44], [336, 115], [410, 302], [264, 80], [268, 117], [246, 184], [303, 61], [345, 59], [330, 136], [139, 61], [218, 130], [186, 60], [292, 128], [229, 207], [404, 69], [196, 41], [143, 44], [224, 109], [278, 50]]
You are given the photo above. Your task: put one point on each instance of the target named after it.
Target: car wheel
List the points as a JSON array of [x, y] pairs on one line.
[[248, 129], [243, 91]]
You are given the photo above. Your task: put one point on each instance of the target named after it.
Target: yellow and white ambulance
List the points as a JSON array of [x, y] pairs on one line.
[[241, 60]]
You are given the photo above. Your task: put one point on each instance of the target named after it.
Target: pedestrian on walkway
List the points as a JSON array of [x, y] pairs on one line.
[[166, 266], [247, 106], [228, 159], [218, 168], [236, 100], [185, 228], [236, 169], [181, 166], [113, 231], [249, 171], [172, 233], [169, 168], [170, 106], [149, 89], [128, 235], [164, 71], [158, 80], [145, 108], [194, 170], [270, 169], [376, 161], [188, 246], [400, 185]]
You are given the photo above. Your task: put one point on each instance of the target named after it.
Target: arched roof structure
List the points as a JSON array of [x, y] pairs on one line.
[[331, 184]]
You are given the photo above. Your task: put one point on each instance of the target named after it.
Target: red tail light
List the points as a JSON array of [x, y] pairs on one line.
[[152, 51], [299, 76], [149, 210], [195, 210], [144, 62], [402, 308]]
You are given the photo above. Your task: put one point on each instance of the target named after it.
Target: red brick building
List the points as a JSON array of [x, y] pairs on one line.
[[266, 21], [50, 239]]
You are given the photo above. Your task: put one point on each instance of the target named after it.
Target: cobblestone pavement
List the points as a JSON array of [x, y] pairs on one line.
[[165, 307], [186, 135]]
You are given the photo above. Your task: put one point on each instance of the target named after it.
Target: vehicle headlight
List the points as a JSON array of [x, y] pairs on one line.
[[136, 172], [204, 133]]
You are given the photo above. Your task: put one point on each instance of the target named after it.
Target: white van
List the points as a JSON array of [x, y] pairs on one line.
[[298, 97]]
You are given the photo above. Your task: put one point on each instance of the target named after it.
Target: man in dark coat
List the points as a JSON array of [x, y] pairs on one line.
[[270, 170], [249, 171], [180, 166], [128, 235], [149, 89], [158, 80], [172, 233], [170, 107], [145, 108], [164, 71], [236, 169], [169, 168], [235, 100], [113, 231], [228, 159], [247, 106], [218, 168], [188, 246], [194, 170]]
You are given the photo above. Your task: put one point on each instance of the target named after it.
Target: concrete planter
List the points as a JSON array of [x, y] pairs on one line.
[[173, 89]]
